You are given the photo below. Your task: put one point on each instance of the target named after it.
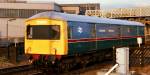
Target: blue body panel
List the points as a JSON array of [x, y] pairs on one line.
[[80, 30], [108, 36], [103, 31]]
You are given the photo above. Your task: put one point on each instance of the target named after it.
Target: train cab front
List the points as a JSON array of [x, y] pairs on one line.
[[46, 39]]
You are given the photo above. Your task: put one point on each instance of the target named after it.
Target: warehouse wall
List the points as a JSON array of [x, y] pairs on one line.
[[16, 28]]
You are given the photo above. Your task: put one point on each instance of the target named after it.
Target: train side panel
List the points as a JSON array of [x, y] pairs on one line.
[[107, 36], [86, 37], [81, 38]]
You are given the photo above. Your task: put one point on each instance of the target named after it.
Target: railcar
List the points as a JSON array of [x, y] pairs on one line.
[[53, 35]]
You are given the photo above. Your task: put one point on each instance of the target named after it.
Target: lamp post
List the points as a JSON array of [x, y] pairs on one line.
[[9, 20]]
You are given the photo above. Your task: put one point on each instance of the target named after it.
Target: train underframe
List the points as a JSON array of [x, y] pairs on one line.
[[67, 63]]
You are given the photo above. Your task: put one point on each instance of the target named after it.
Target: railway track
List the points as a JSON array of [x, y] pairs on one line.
[[15, 70], [104, 66], [29, 70]]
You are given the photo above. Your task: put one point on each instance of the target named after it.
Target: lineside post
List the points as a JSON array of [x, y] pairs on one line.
[[122, 58]]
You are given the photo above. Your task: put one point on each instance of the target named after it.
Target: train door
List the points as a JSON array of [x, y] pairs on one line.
[[101, 36], [93, 36]]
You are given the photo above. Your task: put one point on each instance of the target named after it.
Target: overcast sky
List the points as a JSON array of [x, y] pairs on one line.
[[105, 4]]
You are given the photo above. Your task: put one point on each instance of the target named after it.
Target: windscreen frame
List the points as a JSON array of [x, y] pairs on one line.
[[41, 35]]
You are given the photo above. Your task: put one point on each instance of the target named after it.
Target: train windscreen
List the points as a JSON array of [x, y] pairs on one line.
[[47, 32]]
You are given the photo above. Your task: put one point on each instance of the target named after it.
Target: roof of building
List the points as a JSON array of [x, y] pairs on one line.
[[81, 18], [90, 4], [85, 5], [41, 6]]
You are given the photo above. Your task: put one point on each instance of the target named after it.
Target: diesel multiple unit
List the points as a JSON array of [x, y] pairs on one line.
[[53, 36]]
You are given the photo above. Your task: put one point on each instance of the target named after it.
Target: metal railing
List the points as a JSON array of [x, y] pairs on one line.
[[120, 12]]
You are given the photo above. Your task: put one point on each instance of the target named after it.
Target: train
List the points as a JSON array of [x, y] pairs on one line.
[[60, 38]]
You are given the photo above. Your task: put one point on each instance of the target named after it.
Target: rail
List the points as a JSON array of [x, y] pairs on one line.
[[8, 71]]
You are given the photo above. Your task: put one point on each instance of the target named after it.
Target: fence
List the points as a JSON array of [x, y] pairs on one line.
[[139, 56], [14, 54]]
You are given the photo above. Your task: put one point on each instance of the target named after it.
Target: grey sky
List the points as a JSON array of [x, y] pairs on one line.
[[108, 4]]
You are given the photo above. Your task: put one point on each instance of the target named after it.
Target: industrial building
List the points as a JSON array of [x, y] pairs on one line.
[[79, 8], [12, 1]]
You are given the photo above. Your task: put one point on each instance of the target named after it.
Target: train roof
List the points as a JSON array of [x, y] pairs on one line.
[[81, 18]]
